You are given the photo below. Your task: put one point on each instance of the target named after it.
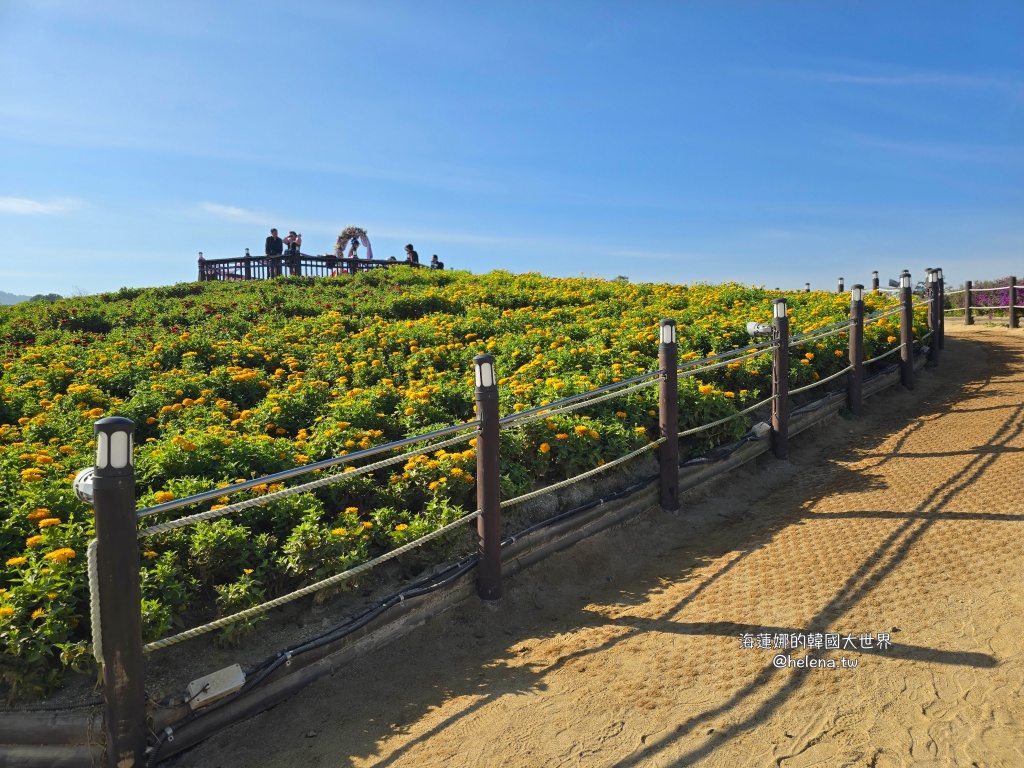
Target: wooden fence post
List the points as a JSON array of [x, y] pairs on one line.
[[668, 416], [1013, 302], [854, 392], [488, 480], [933, 316], [780, 382], [248, 265], [874, 281], [202, 270], [942, 309], [968, 318], [906, 331], [120, 592]]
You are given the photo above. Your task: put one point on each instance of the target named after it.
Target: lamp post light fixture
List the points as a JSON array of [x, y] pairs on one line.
[[484, 365], [857, 293], [905, 279], [807, 287], [854, 386], [667, 331], [114, 445], [874, 281], [488, 477], [247, 253], [842, 285]]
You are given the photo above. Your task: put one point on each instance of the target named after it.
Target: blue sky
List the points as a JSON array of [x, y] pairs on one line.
[[764, 142]]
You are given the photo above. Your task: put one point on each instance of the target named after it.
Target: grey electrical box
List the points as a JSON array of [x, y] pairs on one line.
[[207, 690]]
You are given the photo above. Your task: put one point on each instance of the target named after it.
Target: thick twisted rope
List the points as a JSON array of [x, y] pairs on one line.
[[582, 404], [818, 383], [249, 503], [93, 569], [748, 356], [736, 415], [584, 476], [256, 610], [885, 354]]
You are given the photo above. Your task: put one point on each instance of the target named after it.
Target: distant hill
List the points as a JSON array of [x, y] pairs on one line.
[[11, 298]]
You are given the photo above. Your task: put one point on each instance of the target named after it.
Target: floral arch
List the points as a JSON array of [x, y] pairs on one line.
[[352, 235]]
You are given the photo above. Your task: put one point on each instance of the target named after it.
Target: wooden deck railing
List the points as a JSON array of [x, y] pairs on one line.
[[265, 267]]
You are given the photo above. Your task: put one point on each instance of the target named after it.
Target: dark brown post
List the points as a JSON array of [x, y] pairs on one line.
[[906, 331], [807, 287], [854, 391], [120, 592], [933, 316], [780, 382], [1013, 302], [942, 309], [668, 416], [874, 281], [202, 268], [248, 265], [968, 318], [488, 481], [841, 287]]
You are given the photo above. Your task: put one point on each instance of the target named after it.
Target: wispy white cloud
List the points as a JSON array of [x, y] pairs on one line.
[[23, 206], [234, 213]]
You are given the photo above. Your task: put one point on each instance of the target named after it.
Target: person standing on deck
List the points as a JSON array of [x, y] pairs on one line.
[[275, 247]]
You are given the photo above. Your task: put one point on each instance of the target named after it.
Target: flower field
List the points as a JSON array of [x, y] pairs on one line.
[[229, 381]]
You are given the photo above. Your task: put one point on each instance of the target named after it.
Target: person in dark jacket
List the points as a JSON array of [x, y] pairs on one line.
[[275, 247], [435, 264], [411, 257]]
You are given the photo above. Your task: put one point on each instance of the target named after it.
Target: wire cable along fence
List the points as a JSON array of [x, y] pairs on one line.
[[114, 559], [997, 297]]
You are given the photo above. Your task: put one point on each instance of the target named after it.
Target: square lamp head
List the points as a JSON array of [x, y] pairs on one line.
[[857, 293]]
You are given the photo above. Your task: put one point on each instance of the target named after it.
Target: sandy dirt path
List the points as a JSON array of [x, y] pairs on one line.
[[627, 649]]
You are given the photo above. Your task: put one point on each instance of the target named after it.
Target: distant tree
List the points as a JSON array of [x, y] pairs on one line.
[[621, 279], [50, 297]]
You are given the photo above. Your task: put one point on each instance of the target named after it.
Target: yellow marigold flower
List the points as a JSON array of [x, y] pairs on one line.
[[351, 510], [891, 339], [17, 561], [217, 506], [561, 436], [247, 571], [582, 430], [410, 411], [151, 420], [149, 554], [49, 521], [60, 555], [367, 524], [839, 353], [621, 414], [38, 514], [545, 448], [6, 610], [33, 541], [433, 486], [705, 389], [42, 458], [594, 434], [280, 431], [163, 497], [401, 527], [805, 362], [809, 355], [51, 595], [340, 531], [456, 472]]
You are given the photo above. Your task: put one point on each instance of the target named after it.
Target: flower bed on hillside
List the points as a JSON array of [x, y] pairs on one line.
[[230, 381]]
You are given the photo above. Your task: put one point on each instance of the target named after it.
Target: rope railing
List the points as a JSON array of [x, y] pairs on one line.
[[883, 355], [722, 364], [309, 589], [736, 415], [842, 324], [881, 315], [585, 475], [819, 382], [546, 412], [286, 492], [304, 469], [581, 396], [764, 345], [93, 575]]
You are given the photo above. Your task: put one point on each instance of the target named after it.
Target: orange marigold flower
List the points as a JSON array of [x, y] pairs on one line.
[[49, 521], [38, 613], [545, 448], [60, 555], [401, 527], [164, 496], [38, 514], [33, 541], [17, 561]]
